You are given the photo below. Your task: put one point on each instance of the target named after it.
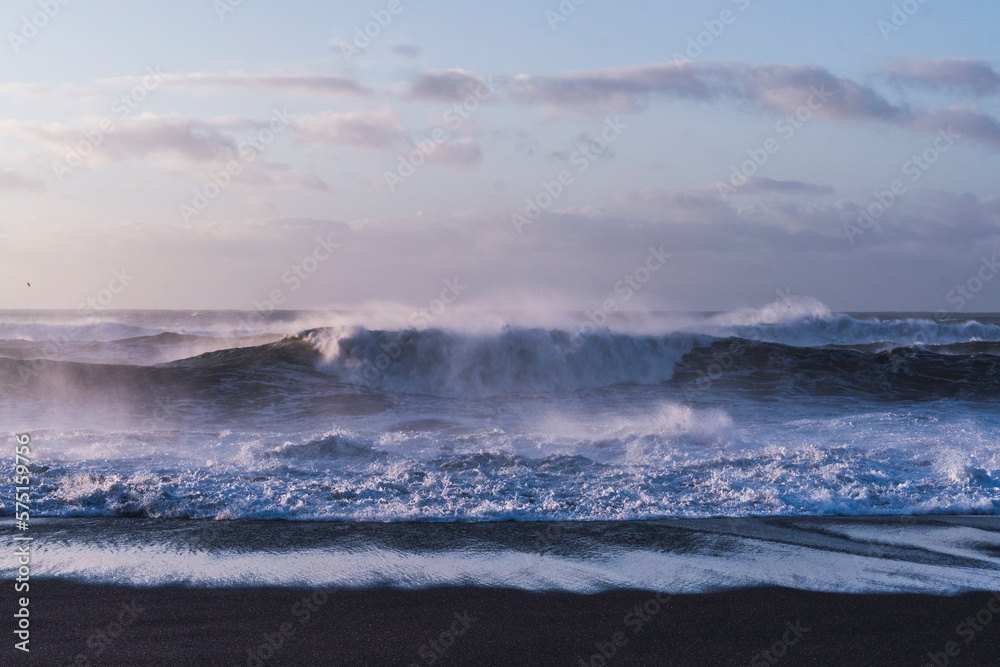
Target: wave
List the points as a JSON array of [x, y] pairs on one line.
[[963, 361], [73, 331], [961, 370], [514, 361], [847, 330], [809, 323], [138, 350]]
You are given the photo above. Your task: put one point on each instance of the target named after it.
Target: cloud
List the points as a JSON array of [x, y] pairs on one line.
[[962, 123], [620, 87], [173, 143], [141, 136], [668, 207], [922, 222], [759, 184], [30, 89], [785, 88], [723, 255], [973, 76], [319, 85], [447, 85], [11, 179], [280, 176], [295, 84], [370, 129], [772, 88], [464, 152], [776, 88]]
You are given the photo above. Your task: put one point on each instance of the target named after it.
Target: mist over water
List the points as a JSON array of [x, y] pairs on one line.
[[790, 409]]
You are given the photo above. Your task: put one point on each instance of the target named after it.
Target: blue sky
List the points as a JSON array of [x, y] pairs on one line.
[[343, 124]]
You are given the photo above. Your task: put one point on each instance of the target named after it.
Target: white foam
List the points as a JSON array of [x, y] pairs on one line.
[[809, 323], [713, 562]]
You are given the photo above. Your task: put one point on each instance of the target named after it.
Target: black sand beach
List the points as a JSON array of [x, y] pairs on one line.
[[470, 626]]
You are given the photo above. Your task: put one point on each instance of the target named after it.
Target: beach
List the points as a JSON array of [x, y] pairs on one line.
[[185, 626], [859, 591]]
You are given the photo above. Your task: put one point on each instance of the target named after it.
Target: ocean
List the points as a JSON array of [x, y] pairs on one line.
[[787, 446]]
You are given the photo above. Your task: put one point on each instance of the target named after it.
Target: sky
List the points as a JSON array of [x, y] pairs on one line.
[[242, 154]]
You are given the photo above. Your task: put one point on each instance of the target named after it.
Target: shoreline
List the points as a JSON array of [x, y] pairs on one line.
[[930, 556]]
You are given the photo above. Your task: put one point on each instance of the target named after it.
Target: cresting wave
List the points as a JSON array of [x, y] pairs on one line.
[[962, 359], [439, 362], [847, 330], [872, 357]]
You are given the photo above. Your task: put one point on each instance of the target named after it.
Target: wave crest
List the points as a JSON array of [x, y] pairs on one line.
[[514, 361]]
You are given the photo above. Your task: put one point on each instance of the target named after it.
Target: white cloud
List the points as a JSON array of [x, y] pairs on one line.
[[370, 129]]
